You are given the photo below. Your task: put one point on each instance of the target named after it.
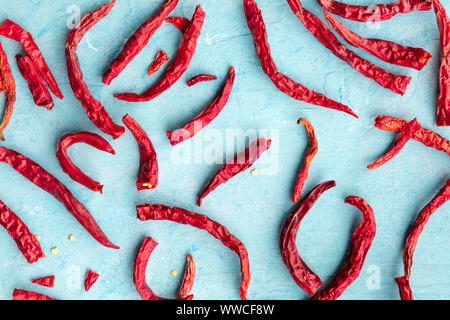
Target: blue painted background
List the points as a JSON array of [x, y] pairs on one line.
[[253, 208]]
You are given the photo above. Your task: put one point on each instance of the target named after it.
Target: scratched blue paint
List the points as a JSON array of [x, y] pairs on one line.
[[253, 208]]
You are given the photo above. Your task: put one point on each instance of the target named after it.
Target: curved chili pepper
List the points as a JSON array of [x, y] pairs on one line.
[[67, 165], [238, 164], [94, 109], [206, 116], [200, 78], [44, 180], [178, 66], [282, 82], [361, 241], [45, 281], [25, 240], [161, 59], [427, 137], [188, 278], [310, 154], [321, 32], [388, 51], [375, 12], [181, 23], [148, 167], [9, 86], [147, 247], [90, 279], [300, 272], [407, 132], [15, 32], [36, 84], [138, 41], [404, 288], [160, 212], [19, 294]]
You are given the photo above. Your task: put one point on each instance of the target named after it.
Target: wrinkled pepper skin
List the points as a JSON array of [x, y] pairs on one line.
[[25, 240], [160, 60], [9, 87], [94, 109], [404, 288], [19, 294], [90, 279], [177, 67], [44, 180], [200, 78], [45, 281], [188, 278], [147, 212], [182, 23]]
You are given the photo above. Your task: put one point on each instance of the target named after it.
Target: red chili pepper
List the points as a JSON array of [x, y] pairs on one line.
[[90, 279], [138, 41], [148, 168], [388, 51], [9, 86], [282, 82], [206, 116], [94, 109], [188, 278], [67, 165], [384, 78], [407, 132], [44, 180], [160, 212], [140, 282], [19, 294], [200, 78], [361, 241], [300, 272], [161, 59], [375, 12], [45, 281], [36, 84], [427, 137], [310, 154], [15, 32], [181, 23], [443, 105], [404, 288], [178, 66], [25, 240], [238, 164]]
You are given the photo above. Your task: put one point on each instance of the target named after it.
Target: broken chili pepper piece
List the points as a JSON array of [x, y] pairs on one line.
[[94, 109], [25, 240], [407, 132], [160, 212], [310, 154], [148, 167], [45, 281], [67, 165], [19, 294], [188, 278], [404, 288], [361, 241], [44, 180], [161, 59], [178, 66], [90, 279], [182, 23], [300, 272], [200, 78], [207, 115], [9, 86], [238, 164], [138, 41], [41, 95]]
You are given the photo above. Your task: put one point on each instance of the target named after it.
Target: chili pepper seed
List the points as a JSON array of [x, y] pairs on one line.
[[254, 172], [71, 237], [38, 238], [174, 273], [54, 251]]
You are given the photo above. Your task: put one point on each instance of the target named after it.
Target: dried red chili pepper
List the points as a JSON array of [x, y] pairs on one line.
[[25, 240], [361, 241], [36, 84], [160, 212], [9, 86], [45, 281], [238, 164], [300, 272], [138, 41], [427, 137], [321, 32], [388, 51], [414, 232], [181, 23], [178, 66], [94, 109], [160, 60], [282, 82], [407, 132], [207, 115], [148, 167], [404, 288], [90, 279], [19, 294], [200, 78], [15, 32], [67, 165], [44, 180], [310, 154], [376, 12], [188, 278]]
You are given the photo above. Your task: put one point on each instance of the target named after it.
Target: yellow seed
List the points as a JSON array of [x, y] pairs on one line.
[[174, 273], [71, 237], [54, 251], [254, 172], [38, 238]]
